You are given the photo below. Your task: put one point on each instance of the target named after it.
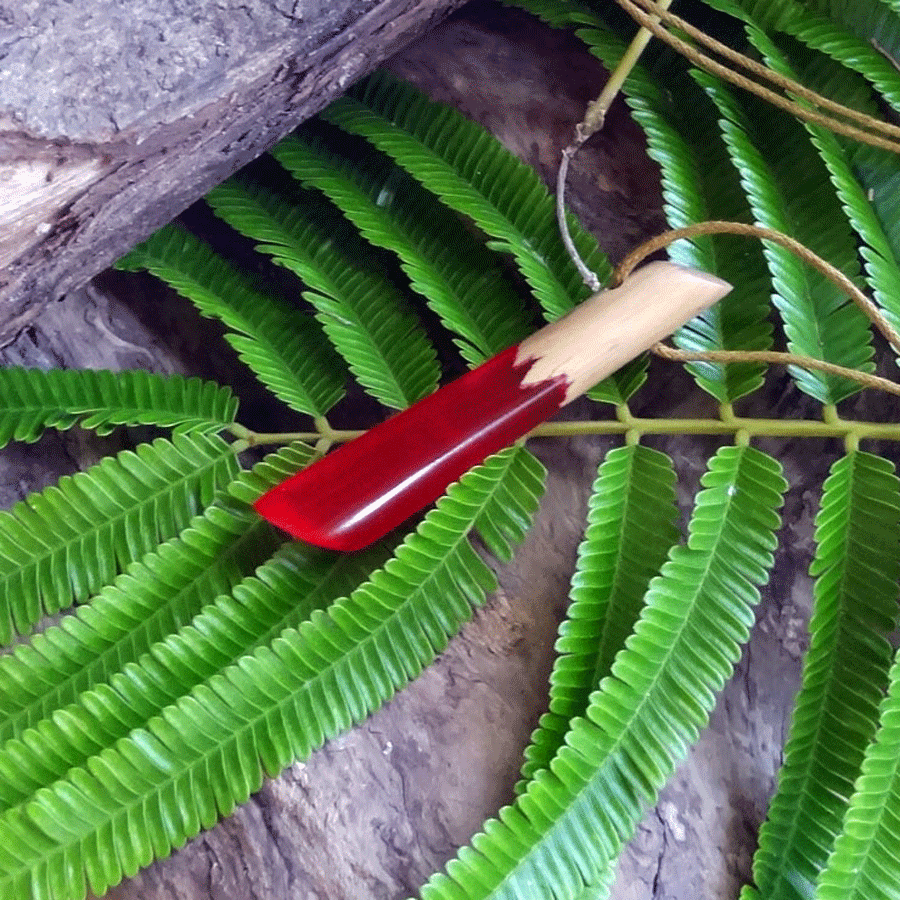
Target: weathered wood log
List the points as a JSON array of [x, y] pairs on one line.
[[115, 116]]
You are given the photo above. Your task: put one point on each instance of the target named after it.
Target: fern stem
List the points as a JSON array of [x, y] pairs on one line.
[[239, 431], [708, 64], [337, 436], [727, 425], [832, 426], [593, 121]]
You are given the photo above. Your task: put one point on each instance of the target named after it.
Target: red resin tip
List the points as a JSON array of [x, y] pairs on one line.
[[367, 487]]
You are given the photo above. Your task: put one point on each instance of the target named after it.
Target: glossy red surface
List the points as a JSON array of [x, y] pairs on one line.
[[367, 487]]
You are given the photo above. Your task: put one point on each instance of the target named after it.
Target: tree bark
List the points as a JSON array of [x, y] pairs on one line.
[[115, 115]]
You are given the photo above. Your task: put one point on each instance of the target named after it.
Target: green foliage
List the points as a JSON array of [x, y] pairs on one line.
[[865, 858], [257, 714], [33, 401], [630, 529], [471, 173], [453, 271], [700, 183], [198, 650], [857, 566], [361, 312], [574, 816], [61, 545], [281, 345]]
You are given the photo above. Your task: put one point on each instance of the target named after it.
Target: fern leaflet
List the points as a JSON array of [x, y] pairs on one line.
[[282, 593], [155, 596], [865, 860], [207, 752], [783, 180], [282, 346], [630, 528], [32, 400], [573, 818], [699, 183], [446, 265], [362, 313], [482, 180], [62, 545], [845, 673]]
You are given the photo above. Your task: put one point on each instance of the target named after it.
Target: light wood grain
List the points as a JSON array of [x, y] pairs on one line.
[[613, 327]]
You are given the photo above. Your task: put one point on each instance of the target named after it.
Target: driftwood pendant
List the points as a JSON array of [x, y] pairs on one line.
[[367, 487]]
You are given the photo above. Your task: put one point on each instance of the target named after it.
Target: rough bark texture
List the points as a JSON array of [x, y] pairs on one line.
[[371, 815], [115, 116]]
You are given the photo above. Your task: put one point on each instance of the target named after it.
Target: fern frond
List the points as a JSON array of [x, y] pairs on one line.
[[865, 864], [280, 594], [699, 183], [845, 673], [362, 313], [32, 400], [558, 15], [154, 597], [573, 818], [856, 53], [881, 255], [282, 346], [878, 173], [630, 529], [454, 272], [208, 752], [475, 175], [875, 21], [64, 544], [783, 179]]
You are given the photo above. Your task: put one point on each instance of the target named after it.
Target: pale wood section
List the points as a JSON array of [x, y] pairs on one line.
[[613, 327]]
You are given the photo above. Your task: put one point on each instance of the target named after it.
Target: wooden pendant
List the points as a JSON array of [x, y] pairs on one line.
[[367, 487]]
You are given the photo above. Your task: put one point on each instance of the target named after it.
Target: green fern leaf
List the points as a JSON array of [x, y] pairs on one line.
[[879, 234], [630, 529], [165, 781], [282, 346], [699, 183], [854, 52], [874, 21], [281, 594], [62, 545], [844, 674], [453, 271], [783, 179], [865, 864], [483, 181], [558, 15], [362, 313], [156, 596], [572, 820], [32, 400], [878, 173]]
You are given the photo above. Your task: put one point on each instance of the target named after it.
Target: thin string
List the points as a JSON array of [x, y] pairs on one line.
[[654, 23]]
